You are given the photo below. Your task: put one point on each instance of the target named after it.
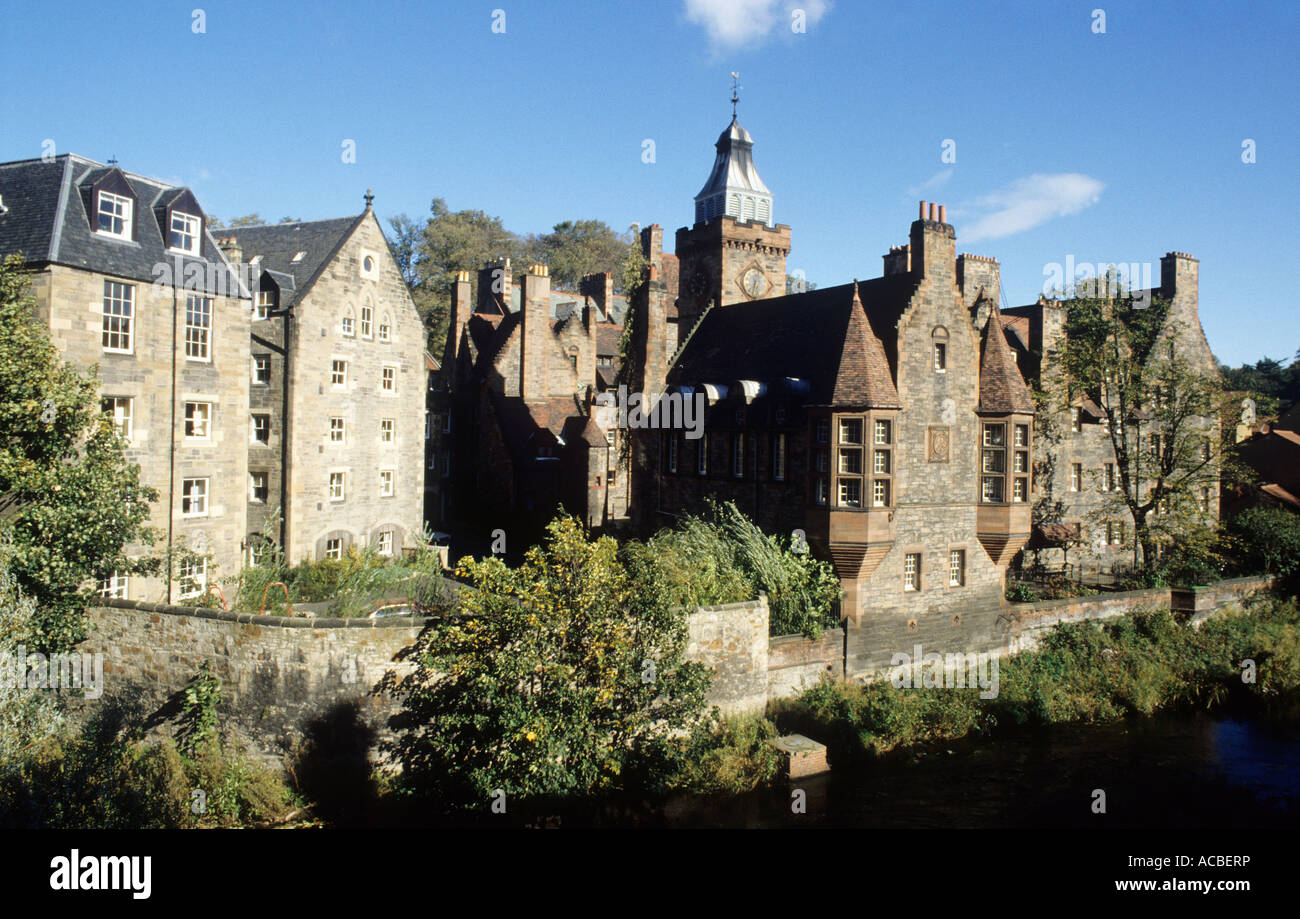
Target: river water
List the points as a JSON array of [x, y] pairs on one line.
[[1184, 770]]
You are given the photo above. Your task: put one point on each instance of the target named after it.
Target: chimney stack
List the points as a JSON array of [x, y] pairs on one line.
[[943, 213], [921, 215]]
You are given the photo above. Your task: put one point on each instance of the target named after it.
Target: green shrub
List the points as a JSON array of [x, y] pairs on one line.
[[1266, 540]]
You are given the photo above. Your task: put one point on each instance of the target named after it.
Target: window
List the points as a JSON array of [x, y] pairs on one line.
[[198, 420], [671, 447], [884, 432], [261, 428], [338, 373], [265, 303], [384, 333], [993, 464], [113, 587], [183, 234], [778, 457], [367, 320], [118, 408], [940, 357], [388, 381], [1108, 477], [193, 577], [256, 550], [1018, 491], [257, 487], [738, 455], [701, 455], [446, 423], [880, 465], [386, 542], [850, 492], [262, 369], [1074, 420], [1021, 436], [823, 430], [338, 430], [956, 567], [385, 483], [198, 327], [912, 571], [1205, 500], [336, 486], [819, 491], [119, 309], [114, 215], [851, 461], [851, 430], [1076, 476], [1115, 534], [386, 430], [880, 493], [194, 497], [346, 325], [334, 548]]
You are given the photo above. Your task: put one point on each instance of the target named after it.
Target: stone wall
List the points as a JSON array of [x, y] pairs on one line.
[[732, 638]]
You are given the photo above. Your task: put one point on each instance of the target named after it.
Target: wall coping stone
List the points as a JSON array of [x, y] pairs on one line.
[[284, 622]]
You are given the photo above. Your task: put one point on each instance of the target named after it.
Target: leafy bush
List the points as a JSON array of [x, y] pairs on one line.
[[1266, 540], [1019, 592], [729, 756]]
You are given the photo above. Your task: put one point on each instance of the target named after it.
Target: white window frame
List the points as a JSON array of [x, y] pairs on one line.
[[198, 346], [940, 357], [387, 483], [115, 587], [384, 543], [385, 329], [265, 303], [956, 567], [340, 429], [367, 321], [197, 574], [261, 362], [334, 547], [1076, 476], [252, 486], [388, 431], [121, 420], [191, 229], [338, 373], [204, 416], [912, 571], [200, 499], [267, 417], [338, 486], [126, 214], [118, 309], [385, 378]]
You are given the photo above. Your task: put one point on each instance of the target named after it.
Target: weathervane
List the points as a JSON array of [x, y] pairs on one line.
[[735, 91]]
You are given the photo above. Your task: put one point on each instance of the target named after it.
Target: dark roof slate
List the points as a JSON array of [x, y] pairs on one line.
[[278, 243], [802, 336]]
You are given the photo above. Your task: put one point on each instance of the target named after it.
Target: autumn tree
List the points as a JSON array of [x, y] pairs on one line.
[[563, 677], [1160, 407], [69, 498]]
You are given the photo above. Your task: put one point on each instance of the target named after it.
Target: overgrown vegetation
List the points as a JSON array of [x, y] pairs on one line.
[[726, 558], [1082, 672]]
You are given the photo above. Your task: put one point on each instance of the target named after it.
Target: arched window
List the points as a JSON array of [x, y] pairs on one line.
[[385, 327], [348, 324], [367, 320]]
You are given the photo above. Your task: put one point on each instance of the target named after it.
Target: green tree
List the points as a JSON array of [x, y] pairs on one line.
[[73, 499], [1160, 408], [562, 677], [575, 248], [1266, 540]]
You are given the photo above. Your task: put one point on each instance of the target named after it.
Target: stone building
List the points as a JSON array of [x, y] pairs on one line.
[[522, 423], [336, 428], [127, 277]]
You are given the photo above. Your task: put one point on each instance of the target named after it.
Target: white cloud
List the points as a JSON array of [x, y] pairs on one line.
[[734, 23], [1032, 201], [938, 180]]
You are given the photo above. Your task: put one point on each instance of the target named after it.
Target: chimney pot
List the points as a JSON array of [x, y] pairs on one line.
[[943, 213], [933, 211], [921, 215]]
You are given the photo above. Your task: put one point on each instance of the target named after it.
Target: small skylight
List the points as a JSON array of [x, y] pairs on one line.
[[255, 260], [300, 256]]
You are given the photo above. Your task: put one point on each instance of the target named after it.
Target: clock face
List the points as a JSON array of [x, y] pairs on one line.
[[753, 283]]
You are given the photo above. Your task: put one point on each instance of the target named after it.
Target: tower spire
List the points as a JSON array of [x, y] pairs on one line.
[[735, 93]]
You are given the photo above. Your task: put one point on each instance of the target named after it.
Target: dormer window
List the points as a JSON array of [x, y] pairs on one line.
[[184, 232], [115, 213]]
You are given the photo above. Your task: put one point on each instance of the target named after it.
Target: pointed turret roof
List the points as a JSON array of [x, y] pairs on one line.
[[862, 376], [734, 182], [1002, 388]]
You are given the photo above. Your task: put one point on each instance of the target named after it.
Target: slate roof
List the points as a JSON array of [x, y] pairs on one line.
[[1002, 388], [278, 243], [803, 336], [46, 219]]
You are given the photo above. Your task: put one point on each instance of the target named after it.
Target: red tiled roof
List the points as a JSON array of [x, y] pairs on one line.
[[1002, 388], [862, 375]]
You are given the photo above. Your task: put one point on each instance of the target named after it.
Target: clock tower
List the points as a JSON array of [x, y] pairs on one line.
[[735, 252]]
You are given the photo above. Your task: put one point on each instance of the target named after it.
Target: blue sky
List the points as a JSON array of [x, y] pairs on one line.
[[1114, 147]]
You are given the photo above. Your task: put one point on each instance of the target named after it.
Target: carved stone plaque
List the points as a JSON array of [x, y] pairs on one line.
[[938, 447]]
